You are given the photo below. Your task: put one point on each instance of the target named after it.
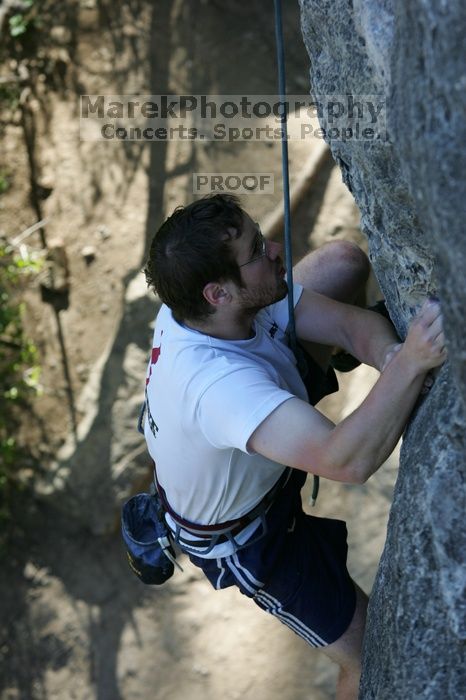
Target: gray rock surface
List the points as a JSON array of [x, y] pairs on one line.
[[409, 186]]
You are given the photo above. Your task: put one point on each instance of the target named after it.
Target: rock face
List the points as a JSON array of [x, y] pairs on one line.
[[410, 189]]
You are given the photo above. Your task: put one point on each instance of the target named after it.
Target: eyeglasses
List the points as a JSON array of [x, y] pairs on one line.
[[261, 244]]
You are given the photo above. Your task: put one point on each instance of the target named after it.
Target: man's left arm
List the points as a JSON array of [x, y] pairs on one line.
[[366, 335]]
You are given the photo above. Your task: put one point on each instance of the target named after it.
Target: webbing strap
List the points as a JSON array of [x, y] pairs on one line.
[[286, 196], [215, 534], [231, 525]]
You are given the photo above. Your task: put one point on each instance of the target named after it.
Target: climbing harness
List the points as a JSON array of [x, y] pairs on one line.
[[208, 536], [298, 351], [148, 539]]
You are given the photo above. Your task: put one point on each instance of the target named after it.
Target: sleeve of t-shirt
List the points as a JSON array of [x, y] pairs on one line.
[[279, 311], [234, 405]]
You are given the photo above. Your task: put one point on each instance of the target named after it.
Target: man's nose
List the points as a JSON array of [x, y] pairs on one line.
[[273, 249]]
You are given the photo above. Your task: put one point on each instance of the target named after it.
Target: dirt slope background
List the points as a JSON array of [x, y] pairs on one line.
[[74, 621]]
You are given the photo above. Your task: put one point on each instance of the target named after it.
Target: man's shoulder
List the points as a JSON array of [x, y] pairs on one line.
[[195, 356], [170, 331]]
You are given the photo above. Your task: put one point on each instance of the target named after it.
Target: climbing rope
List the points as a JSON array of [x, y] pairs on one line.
[[286, 195], [285, 171]]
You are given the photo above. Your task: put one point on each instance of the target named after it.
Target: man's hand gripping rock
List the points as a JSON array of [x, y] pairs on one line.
[[424, 346]]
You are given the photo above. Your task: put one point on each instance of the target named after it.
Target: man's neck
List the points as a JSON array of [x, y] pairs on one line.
[[225, 328]]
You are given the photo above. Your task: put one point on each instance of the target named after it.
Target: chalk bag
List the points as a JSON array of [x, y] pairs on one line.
[[146, 537]]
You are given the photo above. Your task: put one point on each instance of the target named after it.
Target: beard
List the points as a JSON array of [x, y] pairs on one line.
[[256, 298]]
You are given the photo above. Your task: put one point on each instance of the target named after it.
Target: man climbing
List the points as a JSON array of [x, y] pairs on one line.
[[230, 427]]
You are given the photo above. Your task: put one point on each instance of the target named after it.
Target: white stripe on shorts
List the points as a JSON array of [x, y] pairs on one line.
[[222, 571], [239, 577], [274, 607], [250, 576]]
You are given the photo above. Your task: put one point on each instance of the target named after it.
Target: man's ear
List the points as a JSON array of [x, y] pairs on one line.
[[216, 293]]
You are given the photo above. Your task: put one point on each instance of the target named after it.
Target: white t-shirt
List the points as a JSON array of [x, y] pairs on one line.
[[204, 399]]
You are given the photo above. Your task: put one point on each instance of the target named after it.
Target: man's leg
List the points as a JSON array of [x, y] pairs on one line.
[[346, 651], [338, 270]]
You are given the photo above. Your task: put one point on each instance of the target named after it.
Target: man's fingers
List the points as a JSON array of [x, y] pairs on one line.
[[439, 339], [426, 340], [429, 312], [436, 327], [429, 324]]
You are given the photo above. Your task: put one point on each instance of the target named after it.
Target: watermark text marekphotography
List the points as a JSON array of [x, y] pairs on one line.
[[233, 183], [231, 117]]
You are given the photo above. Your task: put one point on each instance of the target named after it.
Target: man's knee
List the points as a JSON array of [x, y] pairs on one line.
[[346, 257], [338, 269]]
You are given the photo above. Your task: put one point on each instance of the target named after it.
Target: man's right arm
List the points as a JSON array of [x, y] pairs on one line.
[[299, 436]]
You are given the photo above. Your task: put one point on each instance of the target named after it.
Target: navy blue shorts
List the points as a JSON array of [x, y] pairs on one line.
[[296, 572]]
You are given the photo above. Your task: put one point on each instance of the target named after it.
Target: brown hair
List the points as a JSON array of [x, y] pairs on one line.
[[191, 249]]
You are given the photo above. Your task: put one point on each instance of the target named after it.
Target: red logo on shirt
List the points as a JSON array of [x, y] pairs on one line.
[[155, 354]]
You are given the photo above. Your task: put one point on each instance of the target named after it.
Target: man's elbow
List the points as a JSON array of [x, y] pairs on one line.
[[355, 471], [360, 476], [359, 471]]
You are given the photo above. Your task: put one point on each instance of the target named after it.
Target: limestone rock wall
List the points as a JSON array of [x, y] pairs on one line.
[[410, 190]]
